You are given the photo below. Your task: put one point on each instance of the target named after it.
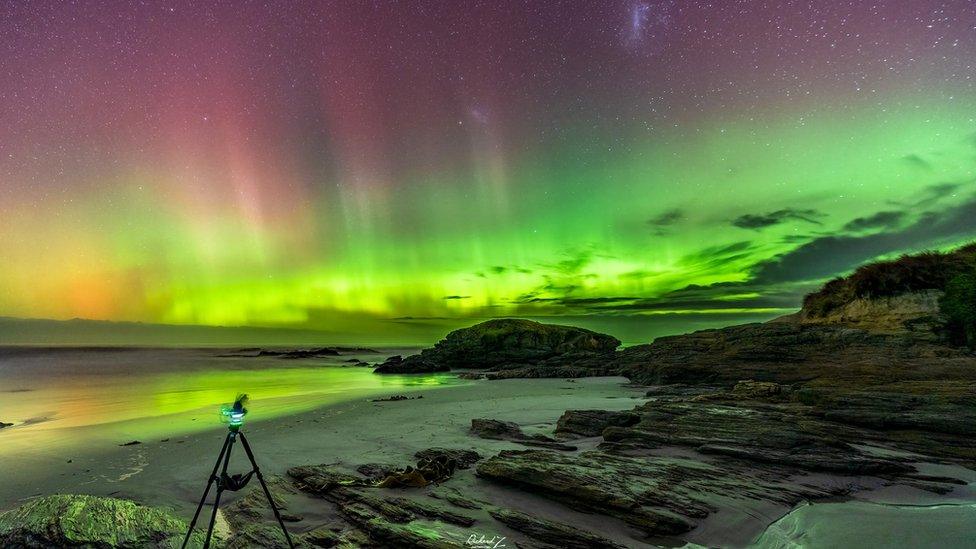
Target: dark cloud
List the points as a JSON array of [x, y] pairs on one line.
[[717, 297], [795, 238], [531, 298], [500, 270], [574, 262], [917, 161], [665, 220], [832, 255], [718, 256], [940, 190], [880, 220], [557, 289], [933, 194], [761, 221]]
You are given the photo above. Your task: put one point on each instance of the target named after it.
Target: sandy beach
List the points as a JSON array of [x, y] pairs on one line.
[[170, 471]]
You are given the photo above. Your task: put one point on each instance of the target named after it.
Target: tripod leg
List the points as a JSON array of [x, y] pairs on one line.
[[206, 492], [220, 490], [257, 471]]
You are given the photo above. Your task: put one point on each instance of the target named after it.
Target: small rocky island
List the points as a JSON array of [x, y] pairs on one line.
[[524, 347], [871, 384]]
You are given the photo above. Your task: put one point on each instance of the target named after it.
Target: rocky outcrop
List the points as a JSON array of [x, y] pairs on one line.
[[91, 522], [788, 353], [250, 517], [414, 364], [507, 343], [380, 516], [557, 367], [555, 533], [507, 430], [779, 435], [433, 467], [301, 353], [935, 407], [592, 423], [662, 496], [319, 352], [910, 313], [384, 518]]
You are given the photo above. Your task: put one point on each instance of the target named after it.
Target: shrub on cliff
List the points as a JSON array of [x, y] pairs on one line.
[[908, 273], [959, 306]]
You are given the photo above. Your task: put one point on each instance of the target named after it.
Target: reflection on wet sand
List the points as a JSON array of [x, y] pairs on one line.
[[52, 397]]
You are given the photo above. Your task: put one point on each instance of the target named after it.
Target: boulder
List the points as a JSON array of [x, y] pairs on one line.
[[90, 522], [591, 423], [496, 429]]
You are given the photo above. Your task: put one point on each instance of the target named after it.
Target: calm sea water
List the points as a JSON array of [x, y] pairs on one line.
[[60, 398]]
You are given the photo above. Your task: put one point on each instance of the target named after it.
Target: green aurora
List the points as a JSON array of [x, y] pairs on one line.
[[623, 209]]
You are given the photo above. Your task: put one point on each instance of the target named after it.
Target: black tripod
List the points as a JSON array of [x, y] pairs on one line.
[[233, 484]]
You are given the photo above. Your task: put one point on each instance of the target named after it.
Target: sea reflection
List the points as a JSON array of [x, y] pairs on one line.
[[159, 393]]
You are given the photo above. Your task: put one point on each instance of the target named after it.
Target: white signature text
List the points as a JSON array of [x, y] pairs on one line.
[[481, 541]]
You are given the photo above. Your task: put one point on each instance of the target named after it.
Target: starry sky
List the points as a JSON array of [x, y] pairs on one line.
[[368, 164]]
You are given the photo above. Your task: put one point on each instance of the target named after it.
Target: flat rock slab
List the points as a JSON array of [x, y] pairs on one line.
[[662, 496], [773, 434]]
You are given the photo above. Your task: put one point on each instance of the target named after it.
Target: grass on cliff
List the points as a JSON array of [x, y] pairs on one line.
[[908, 273]]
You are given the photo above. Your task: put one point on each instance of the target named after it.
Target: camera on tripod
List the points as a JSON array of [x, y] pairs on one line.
[[233, 416]]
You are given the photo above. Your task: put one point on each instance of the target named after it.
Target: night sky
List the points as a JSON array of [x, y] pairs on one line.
[[350, 163]]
